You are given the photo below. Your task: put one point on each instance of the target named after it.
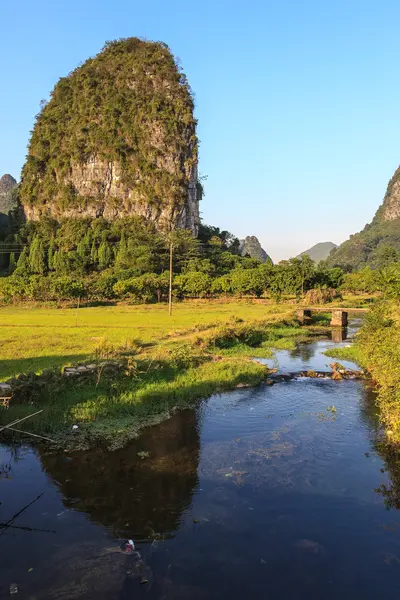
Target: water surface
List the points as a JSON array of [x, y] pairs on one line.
[[261, 493]]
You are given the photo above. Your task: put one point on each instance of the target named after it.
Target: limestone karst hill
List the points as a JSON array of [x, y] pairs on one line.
[[379, 237], [117, 138]]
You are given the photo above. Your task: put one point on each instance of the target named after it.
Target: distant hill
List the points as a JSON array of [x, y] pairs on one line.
[[379, 239], [320, 251], [251, 246], [7, 201]]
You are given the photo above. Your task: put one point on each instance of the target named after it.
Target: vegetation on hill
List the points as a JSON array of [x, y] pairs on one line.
[[371, 247], [120, 127], [378, 240]]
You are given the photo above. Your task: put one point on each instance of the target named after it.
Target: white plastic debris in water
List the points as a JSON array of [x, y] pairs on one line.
[[75, 426], [13, 589]]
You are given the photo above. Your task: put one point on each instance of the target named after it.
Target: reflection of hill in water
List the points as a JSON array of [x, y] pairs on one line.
[[135, 496]]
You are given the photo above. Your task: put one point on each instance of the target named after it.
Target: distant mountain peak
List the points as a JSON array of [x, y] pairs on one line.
[[251, 246], [7, 200], [7, 183], [319, 251]]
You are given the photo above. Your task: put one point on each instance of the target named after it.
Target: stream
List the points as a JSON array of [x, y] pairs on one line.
[[277, 491]]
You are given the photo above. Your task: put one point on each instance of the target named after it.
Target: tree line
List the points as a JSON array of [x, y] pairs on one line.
[[129, 259]]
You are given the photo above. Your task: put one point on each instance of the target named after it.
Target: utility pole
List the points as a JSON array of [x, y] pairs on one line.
[[170, 280], [77, 311]]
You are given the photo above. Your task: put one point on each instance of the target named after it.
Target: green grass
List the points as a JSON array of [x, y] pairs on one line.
[[203, 348], [351, 353], [33, 339], [118, 408]]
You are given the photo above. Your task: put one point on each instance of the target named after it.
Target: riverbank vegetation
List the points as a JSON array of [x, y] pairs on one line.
[[377, 349]]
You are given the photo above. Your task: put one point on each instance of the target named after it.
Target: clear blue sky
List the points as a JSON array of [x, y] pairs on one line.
[[297, 100]]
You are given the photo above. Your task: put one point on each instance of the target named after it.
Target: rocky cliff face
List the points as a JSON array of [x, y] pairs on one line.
[[117, 139], [101, 190], [7, 203], [390, 208], [251, 246]]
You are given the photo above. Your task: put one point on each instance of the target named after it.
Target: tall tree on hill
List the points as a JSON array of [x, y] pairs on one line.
[[12, 263], [37, 256], [50, 254], [122, 256], [23, 261], [105, 255]]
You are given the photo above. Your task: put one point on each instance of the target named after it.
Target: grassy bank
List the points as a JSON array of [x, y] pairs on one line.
[[167, 363], [377, 349]]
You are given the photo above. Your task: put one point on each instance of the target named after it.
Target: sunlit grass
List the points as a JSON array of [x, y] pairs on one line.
[[33, 338], [203, 348]]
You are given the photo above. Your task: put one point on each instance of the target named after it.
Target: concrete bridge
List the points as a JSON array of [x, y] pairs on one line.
[[339, 318]]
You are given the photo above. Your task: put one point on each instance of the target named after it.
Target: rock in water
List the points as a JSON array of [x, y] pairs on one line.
[[117, 139], [7, 201], [251, 246]]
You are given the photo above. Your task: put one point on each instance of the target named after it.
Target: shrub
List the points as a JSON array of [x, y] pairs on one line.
[[321, 296], [67, 288]]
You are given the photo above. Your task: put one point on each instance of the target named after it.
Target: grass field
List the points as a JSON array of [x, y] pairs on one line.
[[32, 338], [203, 348]]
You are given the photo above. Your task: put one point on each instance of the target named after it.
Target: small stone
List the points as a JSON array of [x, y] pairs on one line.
[[13, 589]]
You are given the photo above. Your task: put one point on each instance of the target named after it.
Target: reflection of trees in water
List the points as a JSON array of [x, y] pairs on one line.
[[303, 351], [389, 454], [133, 495]]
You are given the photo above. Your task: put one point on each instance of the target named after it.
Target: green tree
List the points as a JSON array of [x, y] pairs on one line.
[[66, 288], [122, 256], [248, 282], [23, 266], [37, 256], [105, 255], [94, 255], [84, 249], [192, 285], [50, 254], [12, 263]]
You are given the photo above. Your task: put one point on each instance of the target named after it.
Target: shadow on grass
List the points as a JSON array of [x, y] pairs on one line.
[[36, 364]]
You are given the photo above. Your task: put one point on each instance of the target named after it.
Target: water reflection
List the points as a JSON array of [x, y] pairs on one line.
[[304, 352], [268, 492], [134, 494], [338, 334]]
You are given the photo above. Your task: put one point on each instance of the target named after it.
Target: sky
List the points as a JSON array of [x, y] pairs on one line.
[[297, 101]]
